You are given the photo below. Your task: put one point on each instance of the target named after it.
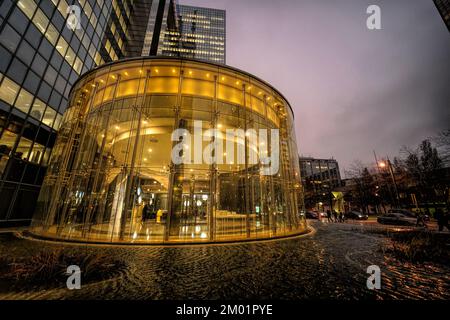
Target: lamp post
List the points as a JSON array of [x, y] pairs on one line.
[[388, 164]]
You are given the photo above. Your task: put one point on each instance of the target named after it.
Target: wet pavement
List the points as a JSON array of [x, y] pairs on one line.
[[330, 263]]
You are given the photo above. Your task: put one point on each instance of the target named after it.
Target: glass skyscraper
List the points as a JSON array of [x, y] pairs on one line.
[[41, 56], [198, 33], [443, 7]]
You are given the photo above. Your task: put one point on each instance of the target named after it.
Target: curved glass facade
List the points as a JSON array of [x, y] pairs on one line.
[[160, 150]]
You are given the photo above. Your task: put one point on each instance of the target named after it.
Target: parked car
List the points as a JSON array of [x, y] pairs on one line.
[[396, 219], [322, 215], [356, 215], [408, 213], [312, 215]]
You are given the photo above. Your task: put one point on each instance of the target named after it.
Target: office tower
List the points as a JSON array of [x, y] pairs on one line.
[[198, 33], [319, 178], [44, 47], [443, 7]]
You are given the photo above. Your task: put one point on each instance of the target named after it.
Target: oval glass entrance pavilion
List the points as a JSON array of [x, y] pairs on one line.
[[120, 172]]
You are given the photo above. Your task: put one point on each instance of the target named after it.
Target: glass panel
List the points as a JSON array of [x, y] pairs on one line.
[[77, 65], [28, 7], [38, 109], [8, 91], [37, 153], [23, 148], [62, 46], [52, 34], [7, 141], [57, 122], [23, 101], [49, 117], [40, 21]]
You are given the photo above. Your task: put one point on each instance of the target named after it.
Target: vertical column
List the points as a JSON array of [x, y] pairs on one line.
[[172, 196], [247, 177], [128, 207], [213, 169]]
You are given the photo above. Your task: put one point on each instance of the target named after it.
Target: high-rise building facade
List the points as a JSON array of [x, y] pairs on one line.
[[44, 47], [198, 33], [443, 7], [319, 178]]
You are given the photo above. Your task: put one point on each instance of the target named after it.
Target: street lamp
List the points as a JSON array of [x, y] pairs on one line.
[[383, 164]]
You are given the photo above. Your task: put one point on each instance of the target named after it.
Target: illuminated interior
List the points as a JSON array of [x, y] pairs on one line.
[[112, 178]]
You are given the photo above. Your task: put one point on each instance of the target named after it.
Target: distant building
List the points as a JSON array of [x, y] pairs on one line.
[[443, 7], [319, 178], [197, 33]]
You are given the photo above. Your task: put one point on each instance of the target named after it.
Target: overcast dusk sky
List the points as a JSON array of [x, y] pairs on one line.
[[353, 90]]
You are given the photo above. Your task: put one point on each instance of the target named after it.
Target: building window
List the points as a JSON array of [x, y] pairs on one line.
[[38, 109], [28, 7], [26, 52], [40, 21], [23, 101], [9, 91], [9, 38], [52, 34], [49, 117], [23, 148], [36, 153]]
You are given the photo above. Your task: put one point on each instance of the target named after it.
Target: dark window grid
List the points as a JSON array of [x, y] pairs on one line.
[[123, 13], [20, 135], [113, 42], [56, 12], [52, 87], [14, 197], [10, 10], [60, 67], [50, 6], [28, 114], [16, 143], [14, 54], [115, 19]]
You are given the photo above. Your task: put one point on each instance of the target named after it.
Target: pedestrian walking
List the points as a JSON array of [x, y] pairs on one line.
[[341, 216], [335, 216], [329, 216], [442, 219], [420, 220]]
